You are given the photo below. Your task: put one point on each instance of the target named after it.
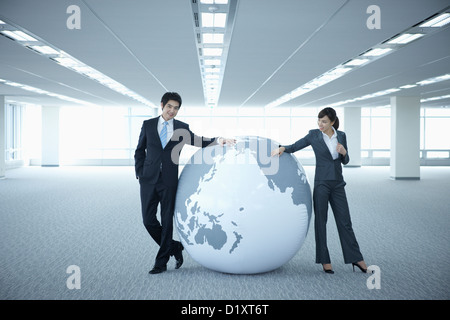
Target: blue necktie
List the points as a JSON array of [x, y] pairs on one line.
[[163, 134]]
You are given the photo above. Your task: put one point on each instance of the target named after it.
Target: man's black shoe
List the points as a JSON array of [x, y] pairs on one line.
[[157, 270], [179, 256]]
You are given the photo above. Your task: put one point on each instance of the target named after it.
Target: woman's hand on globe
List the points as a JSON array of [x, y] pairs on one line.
[[279, 151]]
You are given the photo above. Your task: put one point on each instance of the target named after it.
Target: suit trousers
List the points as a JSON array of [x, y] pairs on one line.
[[151, 196], [333, 192]]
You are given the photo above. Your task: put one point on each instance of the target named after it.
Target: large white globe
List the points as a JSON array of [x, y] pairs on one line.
[[239, 210]]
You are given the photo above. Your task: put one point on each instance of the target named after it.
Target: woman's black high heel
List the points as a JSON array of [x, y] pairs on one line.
[[330, 271], [360, 268]]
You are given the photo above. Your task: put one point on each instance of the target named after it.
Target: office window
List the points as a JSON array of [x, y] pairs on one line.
[[80, 133], [433, 136], [13, 126], [435, 123], [115, 133], [97, 133], [376, 132], [32, 132]]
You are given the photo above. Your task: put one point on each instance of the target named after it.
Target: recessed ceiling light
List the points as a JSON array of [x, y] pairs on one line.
[[212, 51], [377, 52], [18, 35], [66, 62], [356, 62], [214, 1], [45, 49], [434, 79], [214, 20], [339, 70], [13, 84], [435, 98], [216, 38], [212, 70], [439, 21], [408, 86], [406, 38], [212, 62]]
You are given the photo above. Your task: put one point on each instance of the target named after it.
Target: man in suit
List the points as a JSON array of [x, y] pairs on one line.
[[156, 164]]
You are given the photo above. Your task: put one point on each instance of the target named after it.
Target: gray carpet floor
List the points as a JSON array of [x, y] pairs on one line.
[[51, 218]]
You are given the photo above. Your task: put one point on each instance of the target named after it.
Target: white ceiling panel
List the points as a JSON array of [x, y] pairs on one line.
[[276, 46]]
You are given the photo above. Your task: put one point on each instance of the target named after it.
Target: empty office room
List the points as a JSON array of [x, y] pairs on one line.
[[224, 150]]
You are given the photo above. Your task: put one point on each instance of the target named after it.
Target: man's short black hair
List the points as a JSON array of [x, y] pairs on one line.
[[170, 96]]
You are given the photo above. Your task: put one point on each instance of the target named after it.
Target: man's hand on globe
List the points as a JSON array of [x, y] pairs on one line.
[[227, 141]]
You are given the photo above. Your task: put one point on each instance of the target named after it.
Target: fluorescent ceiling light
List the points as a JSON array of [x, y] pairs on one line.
[[207, 19], [439, 21], [212, 70], [212, 51], [13, 84], [407, 86], [212, 62], [435, 98], [216, 38], [406, 38], [339, 70], [67, 62], [214, 1], [33, 89], [45, 49], [434, 80], [357, 62], [214, 20], [85, 70], [40, 91], [18, 35], [442, 22], [211, 76], [212, 83], [311, 85], [377, 52]]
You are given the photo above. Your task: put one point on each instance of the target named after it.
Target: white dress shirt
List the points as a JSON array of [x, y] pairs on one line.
[[331, 143], [169, 127]]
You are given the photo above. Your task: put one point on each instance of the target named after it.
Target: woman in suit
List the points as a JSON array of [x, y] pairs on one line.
[[330, 149]]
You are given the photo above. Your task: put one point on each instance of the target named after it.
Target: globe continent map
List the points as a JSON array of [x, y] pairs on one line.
[[239, 210]]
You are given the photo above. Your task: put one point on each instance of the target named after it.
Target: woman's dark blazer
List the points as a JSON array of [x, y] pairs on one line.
[[326, 167]]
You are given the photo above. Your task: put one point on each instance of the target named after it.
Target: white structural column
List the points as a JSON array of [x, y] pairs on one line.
[[50, 136], [2, 137], [405, 138], [352, 117]]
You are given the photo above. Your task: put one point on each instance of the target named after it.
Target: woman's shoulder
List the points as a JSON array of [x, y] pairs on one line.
[[314, 132]]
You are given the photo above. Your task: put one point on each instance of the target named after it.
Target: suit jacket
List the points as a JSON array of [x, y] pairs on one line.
[[150, 157], [326, 167]]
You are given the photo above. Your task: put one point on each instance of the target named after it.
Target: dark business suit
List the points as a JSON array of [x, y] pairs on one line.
[[157, 170], [329, 187]]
